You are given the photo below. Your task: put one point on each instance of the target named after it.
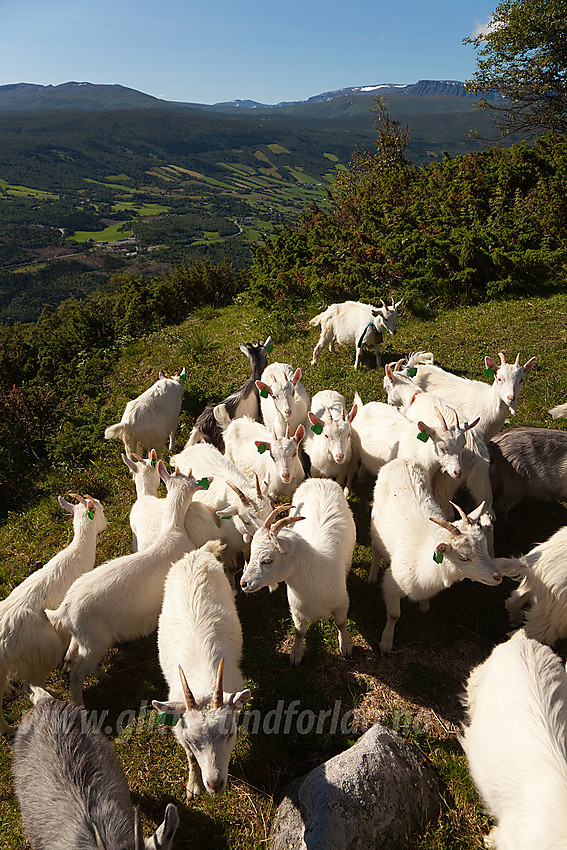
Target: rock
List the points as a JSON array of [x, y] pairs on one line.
[[366, 798]]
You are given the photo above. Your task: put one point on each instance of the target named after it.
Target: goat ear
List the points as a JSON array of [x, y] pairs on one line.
[[161, 375], [529, 365], [353, 412], [232, 510], [67, 506], [315, 419], [490, 364], [264, 388], [475, 515], [425, 429], [176, 708], [243, 349], [443, 547], [132, 466], [162, 472], [296, 377], [163, 836], [389, 373], [299, 434], [237, 700], [268, 342]]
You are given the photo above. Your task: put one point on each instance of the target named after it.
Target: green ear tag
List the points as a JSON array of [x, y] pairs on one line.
[[262, 448], [204, 482], [226, 517], [438, 556], [412, 371], [489, 373], [269, 348], [168, 719], [152, 464], [90, 513], [264, 393], [317, 429], [423, 436]]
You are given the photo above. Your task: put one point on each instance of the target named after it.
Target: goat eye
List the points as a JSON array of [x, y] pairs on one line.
[[266, 561]]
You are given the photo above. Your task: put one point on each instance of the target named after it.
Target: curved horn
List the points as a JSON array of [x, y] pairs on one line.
[[286, 520], [328, 412], [456, 416], [502, 358], [382, 302], [242, 496], [452, 529], [463, 515], [218, 697], [258, 488], [398, 365], [79, 498], [190, 703], [442, 418], [517, 360], [270, 519]]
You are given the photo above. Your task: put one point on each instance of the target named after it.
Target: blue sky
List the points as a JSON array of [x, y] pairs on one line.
[[215, 50]]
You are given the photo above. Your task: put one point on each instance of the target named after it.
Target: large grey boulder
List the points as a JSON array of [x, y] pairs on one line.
[[366, 798]]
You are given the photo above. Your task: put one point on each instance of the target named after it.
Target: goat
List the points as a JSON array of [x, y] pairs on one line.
[[515, 741], [30, 648], [146, 479], [355, 323], [491, 402], [313, 559], [381, 433], [121, 600], [527, 462], [543, 584], [416, 404], [328, 443], [284, 401], [423, 558], [71, 789], [251, 448], [200, 644], [239, 505], [152, 417], [245, 401]]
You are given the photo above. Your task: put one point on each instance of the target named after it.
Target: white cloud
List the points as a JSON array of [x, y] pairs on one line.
[[480, 29]]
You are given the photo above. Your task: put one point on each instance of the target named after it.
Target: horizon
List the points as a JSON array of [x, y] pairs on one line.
[[209, 55]]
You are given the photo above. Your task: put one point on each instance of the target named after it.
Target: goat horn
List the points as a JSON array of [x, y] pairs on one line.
[[286, 520], [287, 431], [258, 488], [218, 697], [328, 412], [243, 498], [275, 435], [502, 358], [456, 416], [398, 365], [464, 517], [517, 360], [190, 703], [442, 418], [79, 498], [269, 519], [452, 529], [382, 302], [136, 456]]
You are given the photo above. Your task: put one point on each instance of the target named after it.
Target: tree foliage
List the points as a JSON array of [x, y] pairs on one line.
[[523, 56]]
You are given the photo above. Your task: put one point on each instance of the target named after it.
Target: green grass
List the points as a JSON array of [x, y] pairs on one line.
[[109, 234], [415, 689]]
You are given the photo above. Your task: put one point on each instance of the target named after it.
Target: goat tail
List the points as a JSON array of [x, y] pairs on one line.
[[316, 320], [114, 432], [559, 412], [54, 618], [38, 694], [512, 567], [222, 416], [215, 547]]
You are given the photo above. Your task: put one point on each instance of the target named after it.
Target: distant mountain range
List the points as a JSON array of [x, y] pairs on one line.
[[93, 97]]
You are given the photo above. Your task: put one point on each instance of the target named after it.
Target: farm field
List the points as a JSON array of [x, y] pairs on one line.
[[416, 689]]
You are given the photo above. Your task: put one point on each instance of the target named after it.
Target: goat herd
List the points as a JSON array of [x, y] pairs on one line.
[[437, 433]]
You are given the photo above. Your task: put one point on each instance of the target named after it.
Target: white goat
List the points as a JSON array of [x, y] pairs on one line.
[[30, 648], [71, 789], [200, 644], [328, 442], [152, 417], [142, 518], [491, 402], [284, 401], [240, 505], [544, 585], [416, 404], [559, 412], [516, 744], [381, 433], [423, 557], [313, 559], [355, 323], [121, 600], [249, 445]]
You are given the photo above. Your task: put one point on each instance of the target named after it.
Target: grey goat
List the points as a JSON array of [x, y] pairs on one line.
[[72, 792], [527, 462], [244, 401]]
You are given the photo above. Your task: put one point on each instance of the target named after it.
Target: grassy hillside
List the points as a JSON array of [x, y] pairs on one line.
[[415, 689]]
